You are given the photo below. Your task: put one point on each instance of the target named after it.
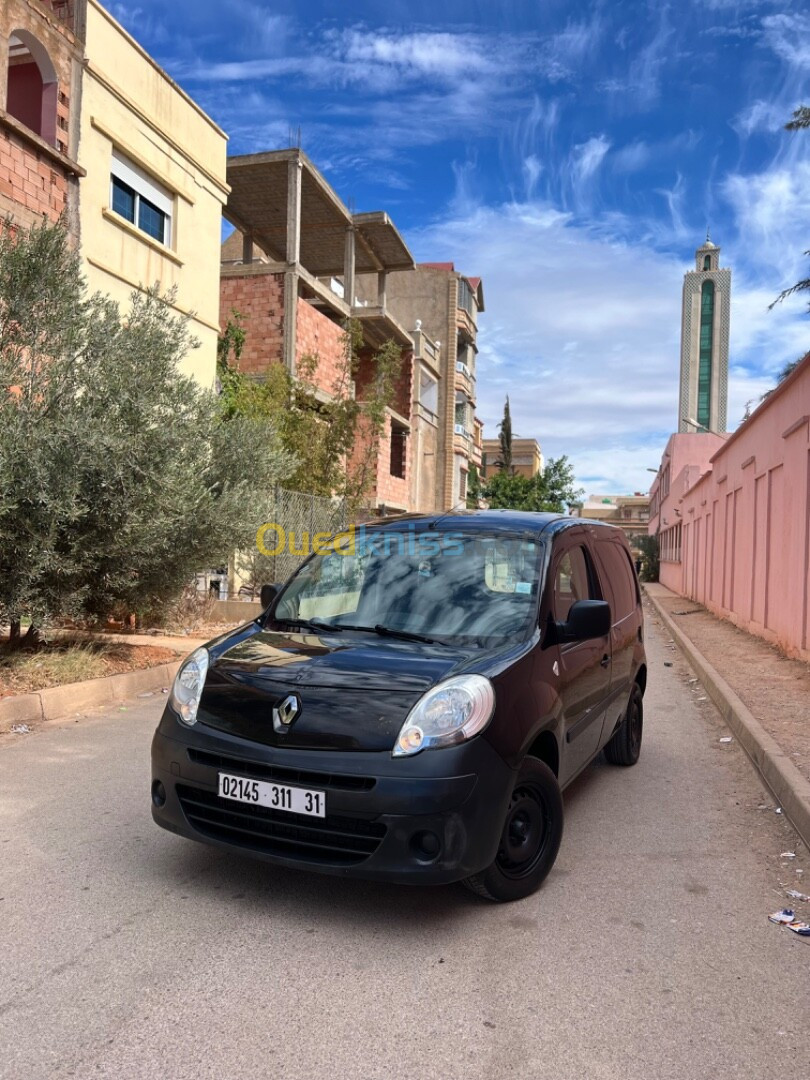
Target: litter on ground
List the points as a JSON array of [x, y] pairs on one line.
[[727, 738], [20, 729], [786, 915], [796, 895], [788, 855]]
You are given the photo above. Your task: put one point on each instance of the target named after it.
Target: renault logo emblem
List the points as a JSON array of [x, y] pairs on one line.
[[285, 712]]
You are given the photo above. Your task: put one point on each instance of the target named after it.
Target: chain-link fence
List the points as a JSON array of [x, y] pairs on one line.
[[293, 522]]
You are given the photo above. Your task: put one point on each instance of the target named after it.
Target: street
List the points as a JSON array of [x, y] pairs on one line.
[[128, 952]]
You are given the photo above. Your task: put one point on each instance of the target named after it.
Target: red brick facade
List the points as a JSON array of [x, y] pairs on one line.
[[37, 175], [30, 184], [259, 299], [258, 295], [317, 335]]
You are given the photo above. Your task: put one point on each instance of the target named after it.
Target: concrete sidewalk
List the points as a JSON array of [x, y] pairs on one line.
[[771, 759]]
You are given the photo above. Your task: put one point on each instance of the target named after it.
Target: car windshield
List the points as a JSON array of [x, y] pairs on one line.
[[439, 585]]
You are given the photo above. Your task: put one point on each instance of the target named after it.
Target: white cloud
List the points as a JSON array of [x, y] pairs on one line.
[[789, 37], [772, 209], [589, 156], [759, 115], [588, 327]]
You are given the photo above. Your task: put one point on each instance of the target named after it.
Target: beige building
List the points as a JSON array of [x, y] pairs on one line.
[[630, 512], [151, 200], [441, 307], [527, 457]]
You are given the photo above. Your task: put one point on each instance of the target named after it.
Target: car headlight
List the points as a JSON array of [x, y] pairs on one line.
[[188, 686], [449, 713]]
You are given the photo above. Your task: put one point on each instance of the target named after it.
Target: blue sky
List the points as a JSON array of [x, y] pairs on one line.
[[569, 154]]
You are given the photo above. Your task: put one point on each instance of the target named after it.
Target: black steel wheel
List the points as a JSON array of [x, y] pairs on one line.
[[624, 747], [530, 839]]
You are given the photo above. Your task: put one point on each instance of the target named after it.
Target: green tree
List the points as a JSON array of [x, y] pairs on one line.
[[119, 477], [552, 490], [334, 440], [474, 487], [504, 462], [650, 556]]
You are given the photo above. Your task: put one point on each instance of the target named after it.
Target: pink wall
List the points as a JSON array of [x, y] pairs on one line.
[[745, 532]]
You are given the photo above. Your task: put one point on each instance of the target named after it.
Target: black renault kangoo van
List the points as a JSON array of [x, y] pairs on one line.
[[412, 702]]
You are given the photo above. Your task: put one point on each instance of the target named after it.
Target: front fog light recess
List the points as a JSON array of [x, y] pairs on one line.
[[449, 713], [188, 686]]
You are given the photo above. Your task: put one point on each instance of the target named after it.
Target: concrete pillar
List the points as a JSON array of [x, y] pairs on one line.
[[381, 279], [247, 249], [290, 319], [294, 170], [348, 267]]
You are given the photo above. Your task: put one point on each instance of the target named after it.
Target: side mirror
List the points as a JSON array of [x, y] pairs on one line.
[[587, 619], [268, 595]]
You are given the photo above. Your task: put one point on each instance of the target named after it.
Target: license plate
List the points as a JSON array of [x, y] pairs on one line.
[[294, 800]]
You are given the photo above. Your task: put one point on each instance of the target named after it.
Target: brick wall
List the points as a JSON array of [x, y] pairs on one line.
[[392, 490], [317, 335], [259, 299], [30, 184]]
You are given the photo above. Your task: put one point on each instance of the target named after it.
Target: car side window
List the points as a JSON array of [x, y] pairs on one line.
[[621, 581], [572, 582]]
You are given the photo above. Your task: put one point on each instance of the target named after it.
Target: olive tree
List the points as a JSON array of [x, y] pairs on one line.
[[120, 476]]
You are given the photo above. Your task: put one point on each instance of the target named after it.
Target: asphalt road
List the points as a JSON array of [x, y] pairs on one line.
[[127, 952]]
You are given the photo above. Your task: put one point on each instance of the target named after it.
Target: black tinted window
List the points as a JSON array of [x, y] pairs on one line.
[[619, 579], [571, 582]]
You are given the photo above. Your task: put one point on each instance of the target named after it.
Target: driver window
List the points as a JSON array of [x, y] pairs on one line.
[[570, 583]]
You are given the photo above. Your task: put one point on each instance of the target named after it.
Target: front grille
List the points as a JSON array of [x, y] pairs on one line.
[[333, 840], [281, 774]]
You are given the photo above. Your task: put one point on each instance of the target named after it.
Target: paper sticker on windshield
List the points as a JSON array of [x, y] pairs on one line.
[[523, 587]]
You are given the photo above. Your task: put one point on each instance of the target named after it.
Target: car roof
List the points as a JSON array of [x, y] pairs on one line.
[[505, 521]]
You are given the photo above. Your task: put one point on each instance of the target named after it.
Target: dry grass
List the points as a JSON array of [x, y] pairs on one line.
[[57, 663]]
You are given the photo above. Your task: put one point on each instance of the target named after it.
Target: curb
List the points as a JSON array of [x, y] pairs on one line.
[[59, 701], [787, 785]]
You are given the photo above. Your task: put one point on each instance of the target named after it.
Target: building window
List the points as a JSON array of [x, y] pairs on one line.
[[428, 391], [465, 297], [705, 365], [140, 199], [462, 483], [32, 88], [399, 436], [707, 262]]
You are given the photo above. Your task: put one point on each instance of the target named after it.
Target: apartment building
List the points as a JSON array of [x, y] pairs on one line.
[[527, 457], [442, 306], [151, 200], [41, 52], [631, 513], [293, 270]]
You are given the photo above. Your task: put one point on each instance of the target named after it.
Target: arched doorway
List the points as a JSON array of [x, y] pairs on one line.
[[32, 85]]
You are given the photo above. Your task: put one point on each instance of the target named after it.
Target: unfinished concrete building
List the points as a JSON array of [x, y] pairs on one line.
[[442, 305], [292, 270]]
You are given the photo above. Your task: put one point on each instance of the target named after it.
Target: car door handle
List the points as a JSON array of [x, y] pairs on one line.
[[604, 661]]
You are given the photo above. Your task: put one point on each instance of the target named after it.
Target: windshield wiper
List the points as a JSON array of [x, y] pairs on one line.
[[387, 631], [313, 624]]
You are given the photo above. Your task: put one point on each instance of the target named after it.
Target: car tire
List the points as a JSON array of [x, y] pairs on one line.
[[625, 744], [530, 839]]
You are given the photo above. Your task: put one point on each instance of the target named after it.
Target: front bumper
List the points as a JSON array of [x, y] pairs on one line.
[[379, 809]]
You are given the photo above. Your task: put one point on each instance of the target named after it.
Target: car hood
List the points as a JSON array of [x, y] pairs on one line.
[[354, 690]]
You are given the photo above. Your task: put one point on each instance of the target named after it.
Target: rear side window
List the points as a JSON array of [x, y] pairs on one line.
[[620, 580], [572, 582]]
